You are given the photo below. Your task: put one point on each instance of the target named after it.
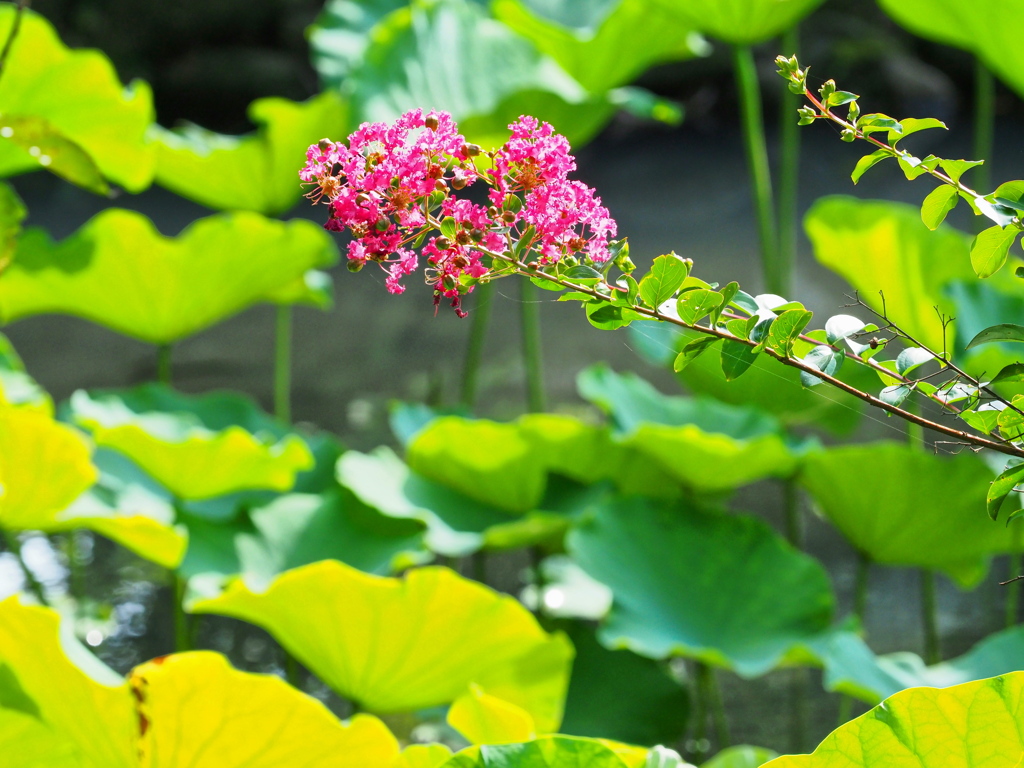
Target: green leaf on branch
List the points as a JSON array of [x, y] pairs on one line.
[[938, 204], [1001, 332], [990, 248], [1012, 372], [839, 327], [608, 317], [786, 328], [692, 351], [736, 359], [1002, 487], [694, 306], [911, 358], [825, 359], [895, 395], [867, 162], [982, 419], [665, 278], [839, 98], [876, 121], [53, 151], [914, 166], [957, 168], [912, 125], [1011, 420]]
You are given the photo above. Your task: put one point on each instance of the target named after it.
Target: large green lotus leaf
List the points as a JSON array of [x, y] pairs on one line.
[[545, 752], [851, 667], [181, 452], [703, 444], [741, 22], [619, 695], [877, 245], [385, 57], [458, 525], [396, 645], [989, 30], [296, 529], [65, 687], [606, 52], [902, 506], [36, 744], [658, 560], [44, 466], [203, 713], [966, 726], [767, 385], [17, 388], [78, 93], [118, 271], [256, 172]]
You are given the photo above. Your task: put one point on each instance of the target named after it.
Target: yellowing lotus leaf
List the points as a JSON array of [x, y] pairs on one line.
[[44, 466], [201, 712], [190, 460], [92, 711], [78, 94], [423, 756], [486, 719], [545, 752], [119, 271], [402, 644], [974, 725]]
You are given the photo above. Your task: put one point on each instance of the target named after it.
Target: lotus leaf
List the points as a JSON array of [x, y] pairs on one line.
[[189, 709], [703, 444], [486, 719], [296, 529], [78, 94], [546, 752], [384, 55], [456, 524], [852, 668], [256, 172], [118, 271], [566, 591], [180, 452], [878, 245], [743, 756], [658, 559], [938, 521], [741, 22], [968, 725], [423, 756], [396, 645], [619, 695], [17, 388], [605, 52], [989, 31], [12, 213]]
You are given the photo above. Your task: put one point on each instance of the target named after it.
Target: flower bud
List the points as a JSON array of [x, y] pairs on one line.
[[442, 243], [325, 144], [460, 261], [462, 237], [354, 265], [459, 181], [508, 217], [471, 150], [431, 122], [476, 235], [440, 185], [848, 135], [492, 212]]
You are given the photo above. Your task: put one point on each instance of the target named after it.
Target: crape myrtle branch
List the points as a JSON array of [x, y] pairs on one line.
[[399, 190], [1004, 207]]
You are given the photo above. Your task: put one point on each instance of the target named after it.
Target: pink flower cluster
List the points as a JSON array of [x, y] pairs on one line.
[[393, 188]]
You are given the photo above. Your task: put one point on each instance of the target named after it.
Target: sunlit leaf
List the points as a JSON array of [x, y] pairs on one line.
[[935, 522], [410, 643], [883, 246], [118, 271], [964, 726], [938, 204], [83, 103], [203, 713], [182, 452], [1001, 332], [546, 752], [743, 756], [660, 284], [659, 559], [255, 172], [990, 249], [486, 719], [53, 151]]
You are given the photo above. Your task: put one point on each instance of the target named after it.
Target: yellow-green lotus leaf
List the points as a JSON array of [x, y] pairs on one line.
[[120, 272], [974, 725], [203, 713], [36, 744], [486, 719], [257, 172], [190, 460], [44, 466], [423, 756], [90, 709], [403, 644], [545, 752], [78, 93]]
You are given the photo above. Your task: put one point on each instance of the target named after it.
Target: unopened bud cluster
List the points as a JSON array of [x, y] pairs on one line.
[[392, 187]]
